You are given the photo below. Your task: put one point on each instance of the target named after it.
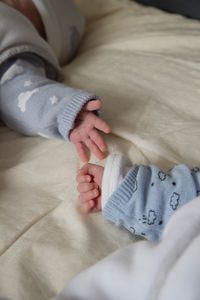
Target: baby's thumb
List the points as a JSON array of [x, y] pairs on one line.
[[93, 105]]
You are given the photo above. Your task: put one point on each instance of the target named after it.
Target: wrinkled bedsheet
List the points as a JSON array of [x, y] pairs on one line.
[[145, 64]]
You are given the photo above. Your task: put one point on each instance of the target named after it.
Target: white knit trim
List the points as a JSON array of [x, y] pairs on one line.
[[117, 166]]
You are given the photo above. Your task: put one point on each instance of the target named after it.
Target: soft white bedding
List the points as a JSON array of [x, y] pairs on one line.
[[145, 64], [145, 270]]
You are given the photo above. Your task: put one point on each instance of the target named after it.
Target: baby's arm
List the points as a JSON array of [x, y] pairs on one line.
[[35, 105], [138, 198], [147, 197]]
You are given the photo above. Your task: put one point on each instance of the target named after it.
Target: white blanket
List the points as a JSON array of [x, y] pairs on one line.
[[146, 66], [147, 271]]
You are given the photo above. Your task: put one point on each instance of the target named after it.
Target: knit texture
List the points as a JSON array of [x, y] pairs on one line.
[[35, 105], [148, 197]]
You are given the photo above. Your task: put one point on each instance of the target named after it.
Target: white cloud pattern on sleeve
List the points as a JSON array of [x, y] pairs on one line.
[[23, 98]]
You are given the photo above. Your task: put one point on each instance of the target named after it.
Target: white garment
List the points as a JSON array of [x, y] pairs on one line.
[[169, 270], [116, 168]]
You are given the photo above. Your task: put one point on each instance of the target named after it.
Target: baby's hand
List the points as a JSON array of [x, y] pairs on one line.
[[89, 180], [86, 132]]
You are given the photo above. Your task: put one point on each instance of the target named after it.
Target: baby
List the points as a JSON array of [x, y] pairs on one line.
[[36, 37], [138, 198]]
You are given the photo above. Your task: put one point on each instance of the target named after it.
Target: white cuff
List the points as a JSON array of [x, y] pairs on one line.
[[117, 166]]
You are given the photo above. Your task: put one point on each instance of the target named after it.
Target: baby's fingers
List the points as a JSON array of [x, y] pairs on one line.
[[85, 187], [101, 125], [98, 140], [94, 149], [93, 105], [87, 207], [90, 195], [82, 152], [83, 178]]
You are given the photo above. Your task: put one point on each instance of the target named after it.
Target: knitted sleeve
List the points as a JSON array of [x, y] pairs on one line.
[[147, 197], [33, 104]]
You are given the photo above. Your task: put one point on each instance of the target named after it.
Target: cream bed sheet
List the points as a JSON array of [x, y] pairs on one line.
[[146, 66]]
